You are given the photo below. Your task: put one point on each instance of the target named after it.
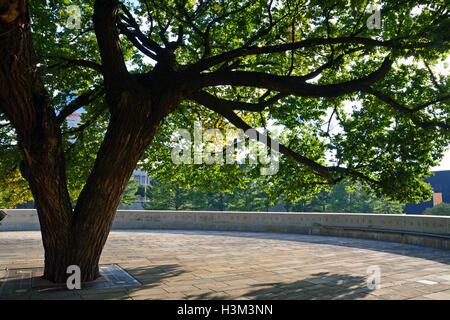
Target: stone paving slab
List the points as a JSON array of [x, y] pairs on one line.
[[29, 280], [202, 265]]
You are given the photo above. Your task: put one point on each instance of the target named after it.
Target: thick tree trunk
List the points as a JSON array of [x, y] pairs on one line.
[[73, 237], [83, 241], [124, 144], [24, 100]]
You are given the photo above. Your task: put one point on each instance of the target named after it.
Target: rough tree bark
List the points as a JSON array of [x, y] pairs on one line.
[[24, 100], [75, 237]]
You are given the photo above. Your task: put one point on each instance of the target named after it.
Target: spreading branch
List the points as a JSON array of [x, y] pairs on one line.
[[64, 61], [79, 102], [332, 174], [209, 99], [136, 35], [411, 111], [293, 85], [224, 110], [105, 18], [255, 50]]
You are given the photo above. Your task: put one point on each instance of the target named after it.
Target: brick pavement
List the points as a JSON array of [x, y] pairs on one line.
[[238, 265]]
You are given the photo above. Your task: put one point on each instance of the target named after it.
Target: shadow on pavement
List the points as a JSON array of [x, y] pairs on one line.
[[322, 286]]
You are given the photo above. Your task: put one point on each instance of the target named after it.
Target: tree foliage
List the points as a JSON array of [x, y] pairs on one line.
[[346, 198], [166, 197], [442, 209], [129, 195], [298, 65], [253, 197]]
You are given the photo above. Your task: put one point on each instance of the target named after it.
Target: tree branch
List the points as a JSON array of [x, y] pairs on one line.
[[147, 42], [209, 99], [224, 110], [76, 62], [131, 36], [294, 85], [105, 16], [254, 50], [410, 111], [433, 78], [81, 101], [323, 171]]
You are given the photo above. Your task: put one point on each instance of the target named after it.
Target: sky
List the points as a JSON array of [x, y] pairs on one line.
[[445, 163]]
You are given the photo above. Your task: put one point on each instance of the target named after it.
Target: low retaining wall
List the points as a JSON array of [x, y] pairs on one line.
[[432, 231]]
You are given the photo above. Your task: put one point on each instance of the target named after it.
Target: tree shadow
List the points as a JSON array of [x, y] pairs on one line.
[[322, 286], [24, 287], [158, 273], [150, 277]]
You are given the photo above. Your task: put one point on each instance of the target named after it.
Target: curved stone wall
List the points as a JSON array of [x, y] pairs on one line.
[[433, 231]]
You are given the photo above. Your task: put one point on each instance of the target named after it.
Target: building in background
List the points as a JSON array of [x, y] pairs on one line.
[[73, 119], [440, 182], [142, 177]]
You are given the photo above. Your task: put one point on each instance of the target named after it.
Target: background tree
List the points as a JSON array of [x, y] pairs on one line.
[[250, 198], [442, 209], [141, 69], [340, 198], [350, 198], [166, 197], [129, 195]]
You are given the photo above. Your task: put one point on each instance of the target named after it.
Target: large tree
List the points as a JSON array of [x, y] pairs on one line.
[[140, 69]]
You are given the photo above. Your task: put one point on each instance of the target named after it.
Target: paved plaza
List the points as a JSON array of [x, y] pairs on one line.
[[237, 265]]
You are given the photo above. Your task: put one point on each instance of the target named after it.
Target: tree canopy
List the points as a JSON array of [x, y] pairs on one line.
[[307, 66]]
